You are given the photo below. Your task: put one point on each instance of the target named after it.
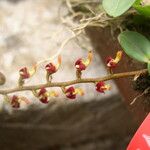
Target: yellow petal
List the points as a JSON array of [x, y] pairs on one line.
[[52, 94], [79, 91], [89, 59], [59, 62], [107, 86], [32, 70], [118, 56], [24, 99]]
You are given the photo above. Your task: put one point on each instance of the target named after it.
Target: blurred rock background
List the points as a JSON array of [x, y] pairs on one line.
[[30, 31]]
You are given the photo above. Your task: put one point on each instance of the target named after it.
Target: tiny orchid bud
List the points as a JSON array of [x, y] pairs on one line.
[[112, 63], [102, 87], [71, 92], [26, 73], [52, 68], [43, 97], [15, 102], [82, 64]]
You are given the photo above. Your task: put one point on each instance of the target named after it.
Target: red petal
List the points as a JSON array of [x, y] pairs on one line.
[[70, 93], [24, 73], [14, 102], [50, 68], [42, 91], [44, 100], [80, 65]]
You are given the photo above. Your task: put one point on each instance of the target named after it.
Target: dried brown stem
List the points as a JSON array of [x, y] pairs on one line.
[[77, 81]]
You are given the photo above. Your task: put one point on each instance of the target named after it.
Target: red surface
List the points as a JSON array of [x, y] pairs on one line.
[[141, 140]]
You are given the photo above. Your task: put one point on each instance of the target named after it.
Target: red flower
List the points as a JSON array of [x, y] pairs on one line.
[[102, 87], [24, 73], [82, 64], [70, 92], [43, 97], [52, 68], [112, 63], [15, 102]]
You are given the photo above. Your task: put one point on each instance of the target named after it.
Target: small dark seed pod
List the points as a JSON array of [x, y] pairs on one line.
[[2, 79]]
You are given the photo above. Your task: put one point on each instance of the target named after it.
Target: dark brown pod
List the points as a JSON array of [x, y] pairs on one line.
[[2, 79]]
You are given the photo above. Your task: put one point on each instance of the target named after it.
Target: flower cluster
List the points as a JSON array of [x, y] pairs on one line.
[[44, 95]]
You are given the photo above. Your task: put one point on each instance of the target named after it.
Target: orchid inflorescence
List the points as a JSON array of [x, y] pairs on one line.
[[71, 92]]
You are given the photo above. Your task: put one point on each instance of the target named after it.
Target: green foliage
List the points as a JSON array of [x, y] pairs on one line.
[[137, 2], [143, 10], [148, 67], [136, 46], [117, 7]]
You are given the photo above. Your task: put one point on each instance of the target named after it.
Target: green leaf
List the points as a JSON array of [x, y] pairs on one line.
[[137, 2], [135, 45], [117, 7], [148, 67], [144, 10]]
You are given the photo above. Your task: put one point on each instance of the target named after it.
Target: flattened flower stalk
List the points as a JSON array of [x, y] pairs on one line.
[[42, 92]]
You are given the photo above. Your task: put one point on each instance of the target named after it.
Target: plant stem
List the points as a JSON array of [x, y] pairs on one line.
[[77, 81]]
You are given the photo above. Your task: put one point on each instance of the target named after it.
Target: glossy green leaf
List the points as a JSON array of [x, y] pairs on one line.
[[135, 45], [137, 2], [117, 7], [144, 10]]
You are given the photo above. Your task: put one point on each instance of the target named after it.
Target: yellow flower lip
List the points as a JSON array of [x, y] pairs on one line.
[[107, 87], [81, 64], [53, 94], [79, 91], [87, 61], [118, 56], [59, 62]]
